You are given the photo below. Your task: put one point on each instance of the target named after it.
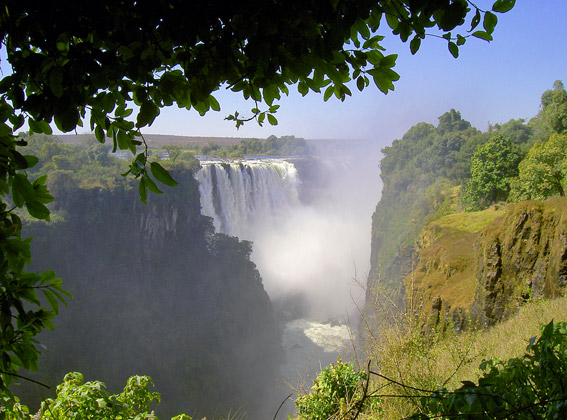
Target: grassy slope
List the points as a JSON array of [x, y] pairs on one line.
[[447, 260], [447, 360]]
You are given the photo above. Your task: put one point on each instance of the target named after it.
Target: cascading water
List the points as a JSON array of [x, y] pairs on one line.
[[311, 235], [244, 196]]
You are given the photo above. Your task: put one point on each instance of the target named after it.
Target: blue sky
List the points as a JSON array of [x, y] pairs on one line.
[[489, 82]]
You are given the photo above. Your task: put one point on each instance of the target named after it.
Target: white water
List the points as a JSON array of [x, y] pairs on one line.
[[320, 250], [247, 195]]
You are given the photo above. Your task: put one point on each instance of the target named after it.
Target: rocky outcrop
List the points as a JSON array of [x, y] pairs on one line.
[[521, 256], [470, 272], [157, 292]]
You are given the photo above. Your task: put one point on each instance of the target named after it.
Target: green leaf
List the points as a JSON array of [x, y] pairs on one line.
[[454, 49], [152, 186], [148, 113], [5, 130], [489, 22], [19, 161], [475, 20], [503, 6], [39, 127], [272, 120], [302, 88], [415, 43], [16, 120], [360, 83], [99, 134], [215, 106], [328, 93], [482, 35], [31, 160], [51, 298], [142, 190], [123, 140], [37, 210], [162, 175], [67, 119], [56, 82], [22, 190], [393, 21]]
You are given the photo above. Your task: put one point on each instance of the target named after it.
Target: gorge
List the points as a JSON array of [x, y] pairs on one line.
[[159, 291]]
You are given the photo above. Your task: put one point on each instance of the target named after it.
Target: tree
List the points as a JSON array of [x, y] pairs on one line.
[[492, 166], [173, 151], [95, 62], [543, 171], [552, 118]]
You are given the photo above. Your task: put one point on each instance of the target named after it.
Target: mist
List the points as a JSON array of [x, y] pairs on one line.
[[321, 250], [309, 220]]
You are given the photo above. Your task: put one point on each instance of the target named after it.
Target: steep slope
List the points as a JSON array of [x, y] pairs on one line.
[[483, 266], [157, 292]]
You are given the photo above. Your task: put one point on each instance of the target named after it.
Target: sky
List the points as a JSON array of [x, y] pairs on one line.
[[489, 83]]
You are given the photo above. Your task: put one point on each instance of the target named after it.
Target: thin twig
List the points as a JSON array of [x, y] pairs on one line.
[[279, 408], [25, 378]]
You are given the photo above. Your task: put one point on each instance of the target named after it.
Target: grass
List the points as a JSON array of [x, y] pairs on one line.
[[404, 354], [469, 222]]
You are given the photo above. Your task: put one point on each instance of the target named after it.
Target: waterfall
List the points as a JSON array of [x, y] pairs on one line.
[[244, 196]]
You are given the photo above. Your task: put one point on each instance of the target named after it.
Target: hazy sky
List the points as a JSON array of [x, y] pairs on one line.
[[489, 82]]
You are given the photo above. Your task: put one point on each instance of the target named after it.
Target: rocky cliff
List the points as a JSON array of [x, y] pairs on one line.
[[157, 292], [482, 266]]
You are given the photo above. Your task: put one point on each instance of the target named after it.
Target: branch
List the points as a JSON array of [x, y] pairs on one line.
[[25, 378], [279, 408]]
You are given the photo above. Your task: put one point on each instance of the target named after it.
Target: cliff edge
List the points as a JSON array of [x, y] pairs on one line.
[[482, 266]]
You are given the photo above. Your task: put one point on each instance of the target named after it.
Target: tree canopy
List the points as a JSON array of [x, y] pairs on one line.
[[112, 65], [493, 165], [543, 171]]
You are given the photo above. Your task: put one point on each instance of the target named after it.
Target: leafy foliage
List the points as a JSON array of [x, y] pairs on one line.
[[89, 400], [492, 166], [553, 115], [333, 393], [529, 387], [272, 146], [543, 171]]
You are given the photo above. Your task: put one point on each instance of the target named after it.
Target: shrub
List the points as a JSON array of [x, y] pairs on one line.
[[335, 392], [80, 400], [533, 386]]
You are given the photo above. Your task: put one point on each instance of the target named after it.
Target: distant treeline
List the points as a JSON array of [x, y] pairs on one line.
[[279, 146]]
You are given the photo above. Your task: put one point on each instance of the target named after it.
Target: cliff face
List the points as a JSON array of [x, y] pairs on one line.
[[483, 266], [158, 292]]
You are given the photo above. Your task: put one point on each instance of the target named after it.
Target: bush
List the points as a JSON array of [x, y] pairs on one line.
[[335, 392], [533, 386], [80, 400]]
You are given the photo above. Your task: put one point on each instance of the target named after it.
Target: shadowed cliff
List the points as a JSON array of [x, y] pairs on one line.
[[158, 292]]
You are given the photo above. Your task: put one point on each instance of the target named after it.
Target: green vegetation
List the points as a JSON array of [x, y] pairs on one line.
[[516, 369], [72, 58], [333, 393], [528, 387], [272, 146], [435, 171], [543, 171], [79, 400], [492, 165]]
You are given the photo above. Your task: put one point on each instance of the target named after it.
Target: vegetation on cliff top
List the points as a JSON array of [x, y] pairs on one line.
[[450, 248], [444, 374], [435, 171]]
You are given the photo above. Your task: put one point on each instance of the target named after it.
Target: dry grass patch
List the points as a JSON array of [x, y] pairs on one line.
[[403, 354]]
